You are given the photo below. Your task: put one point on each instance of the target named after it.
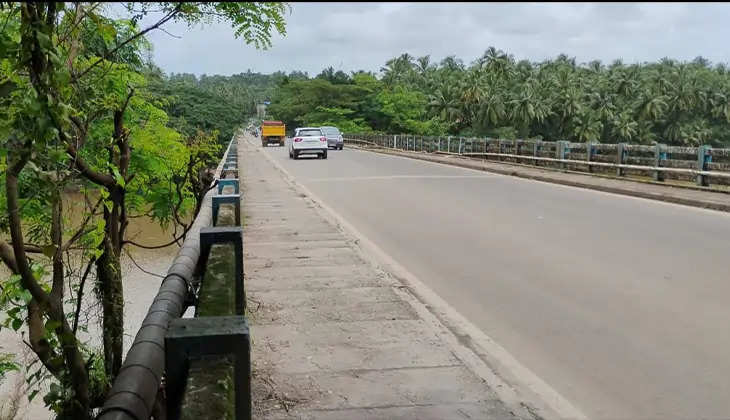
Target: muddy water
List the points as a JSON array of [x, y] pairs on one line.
[[139, 290]]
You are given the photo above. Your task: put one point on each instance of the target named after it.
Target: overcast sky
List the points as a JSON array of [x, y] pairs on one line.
[[354, 36]]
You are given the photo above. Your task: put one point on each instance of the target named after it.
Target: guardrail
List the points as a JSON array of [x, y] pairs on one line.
[[703, 165], [166, 344]]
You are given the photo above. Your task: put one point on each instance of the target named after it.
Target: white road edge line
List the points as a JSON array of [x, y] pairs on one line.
[[393, 177], [554, 184], [517, 386]]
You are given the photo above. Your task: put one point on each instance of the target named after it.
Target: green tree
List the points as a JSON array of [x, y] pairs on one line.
[[667, 101], [76, 110]]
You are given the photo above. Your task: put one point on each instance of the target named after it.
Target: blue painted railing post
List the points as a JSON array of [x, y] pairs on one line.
[[228, 181], [660, 155], [234, 199], [704, 157], [589, 155]]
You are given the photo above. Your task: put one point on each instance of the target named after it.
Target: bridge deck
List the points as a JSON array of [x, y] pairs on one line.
[[333, 336]]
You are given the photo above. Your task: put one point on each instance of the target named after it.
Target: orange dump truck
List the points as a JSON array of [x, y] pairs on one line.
[[272, 132]]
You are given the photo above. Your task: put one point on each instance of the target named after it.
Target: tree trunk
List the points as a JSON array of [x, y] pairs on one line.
[[49, 304], [109, 278]]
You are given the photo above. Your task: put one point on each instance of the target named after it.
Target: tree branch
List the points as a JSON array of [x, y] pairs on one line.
[[78, 21], [81, 231], [57, 240], [80, 294], [16, 232], [172, 35], [173, 242], [140, 268], [161, 22], [7, 256], [38, 343], [98, 178]]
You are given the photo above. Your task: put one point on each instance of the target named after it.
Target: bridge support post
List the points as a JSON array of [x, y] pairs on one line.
[[226, 235], [704, 157], [660, 155], [589, 155], [228, 181], [620, 158], [562, 148], [234, 199], [227, 173], [195, 338], [536, 147]]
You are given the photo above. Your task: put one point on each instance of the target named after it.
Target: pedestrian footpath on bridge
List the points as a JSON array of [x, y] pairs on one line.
[[333, 336]]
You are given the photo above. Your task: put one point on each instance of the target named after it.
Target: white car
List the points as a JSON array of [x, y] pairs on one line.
[[308, 141]]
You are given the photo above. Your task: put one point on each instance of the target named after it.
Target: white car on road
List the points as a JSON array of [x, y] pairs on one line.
[[308, 141]]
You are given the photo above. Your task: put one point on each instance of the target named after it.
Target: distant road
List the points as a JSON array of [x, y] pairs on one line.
[[620, 304]]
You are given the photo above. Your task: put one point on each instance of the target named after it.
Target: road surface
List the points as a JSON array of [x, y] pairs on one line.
[[620, 304]]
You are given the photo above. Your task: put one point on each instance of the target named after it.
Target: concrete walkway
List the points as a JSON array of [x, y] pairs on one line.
[[334, 337]]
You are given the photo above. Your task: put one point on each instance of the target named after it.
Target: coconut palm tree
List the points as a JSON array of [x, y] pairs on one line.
[[444, 103], [587, 127], [491, 107], [624, 127]]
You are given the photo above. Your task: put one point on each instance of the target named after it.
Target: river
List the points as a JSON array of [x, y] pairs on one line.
[[139, 290]]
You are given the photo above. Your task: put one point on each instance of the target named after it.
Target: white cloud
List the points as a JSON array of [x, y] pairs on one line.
[[354, 36]]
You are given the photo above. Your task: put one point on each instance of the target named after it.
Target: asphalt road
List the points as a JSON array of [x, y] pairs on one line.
[[620, 304]]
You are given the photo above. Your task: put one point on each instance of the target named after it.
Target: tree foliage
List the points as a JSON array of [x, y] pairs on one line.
[[668, 101], [82, 108]]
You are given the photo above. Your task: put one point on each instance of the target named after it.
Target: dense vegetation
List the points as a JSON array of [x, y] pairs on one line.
[[216, 102], [81, 108], [668, 102]]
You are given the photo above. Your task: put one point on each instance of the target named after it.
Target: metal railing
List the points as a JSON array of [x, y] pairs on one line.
[[165, 342], [703, 164]]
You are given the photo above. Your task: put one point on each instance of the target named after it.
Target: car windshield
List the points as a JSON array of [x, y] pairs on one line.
[[331, 131], [309, 133]]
